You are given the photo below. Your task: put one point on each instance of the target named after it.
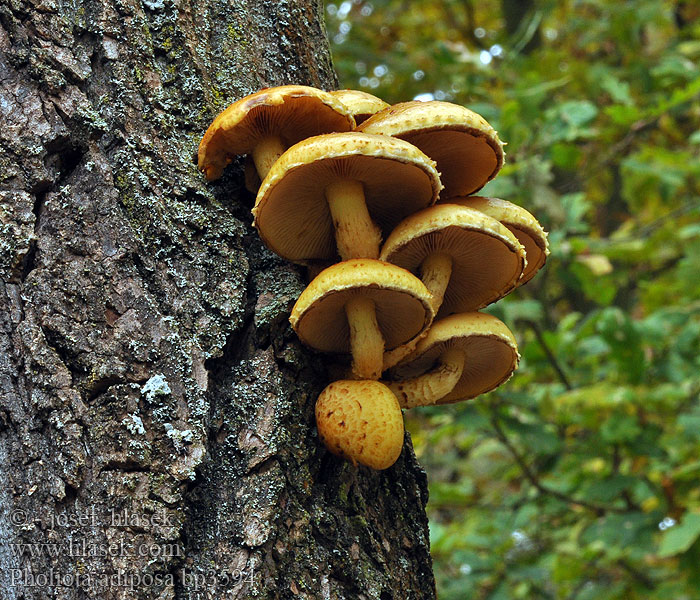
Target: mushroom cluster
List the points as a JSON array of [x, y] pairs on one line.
[[377, 201]]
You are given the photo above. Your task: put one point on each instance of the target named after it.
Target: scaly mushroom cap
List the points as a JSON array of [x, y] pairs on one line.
[[487, 259], [521, 222], [361, 421], [402, 304], [490, 354], [361, 104], [291, 211], [466, 148], [289, 112]]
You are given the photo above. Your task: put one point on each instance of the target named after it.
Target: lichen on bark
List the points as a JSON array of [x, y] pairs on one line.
[[156, 410]]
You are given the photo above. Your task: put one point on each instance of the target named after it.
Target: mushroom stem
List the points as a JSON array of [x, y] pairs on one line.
[[266, 153], [432, 386], [366, 340], [356, 235], [436, 271], [395, 356]]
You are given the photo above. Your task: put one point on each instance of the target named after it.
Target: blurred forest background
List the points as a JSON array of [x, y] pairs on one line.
[[579, 478]]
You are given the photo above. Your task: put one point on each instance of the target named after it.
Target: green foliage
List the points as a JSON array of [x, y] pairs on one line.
[[579, 477]]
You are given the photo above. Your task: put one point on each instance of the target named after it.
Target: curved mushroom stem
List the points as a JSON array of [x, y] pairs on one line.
[[395, 356], [427, 389], [266, 153], [436, 271], [356, 235], [366, 340]]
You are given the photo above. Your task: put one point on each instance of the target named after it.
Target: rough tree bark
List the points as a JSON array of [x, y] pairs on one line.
[[156, 410]]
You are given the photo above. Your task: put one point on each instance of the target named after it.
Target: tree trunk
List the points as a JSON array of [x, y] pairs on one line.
[[156, 410]]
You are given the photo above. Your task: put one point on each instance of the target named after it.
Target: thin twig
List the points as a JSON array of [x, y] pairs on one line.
[[550, 355], [531, 476], [645, 580]]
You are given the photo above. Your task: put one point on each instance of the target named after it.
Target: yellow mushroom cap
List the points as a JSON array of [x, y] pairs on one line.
[[490, 349], [290, 112], [520, 221], [402, 304], [361, 104], [291, 211], [466, 148], [487, 259], [361, 421]]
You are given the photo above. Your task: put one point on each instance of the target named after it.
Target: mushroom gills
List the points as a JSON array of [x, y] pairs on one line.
[[336, 194], [262, 125], [360, 307], [465, 258], [519, 221]]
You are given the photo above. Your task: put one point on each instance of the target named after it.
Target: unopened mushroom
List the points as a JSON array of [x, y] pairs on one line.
[[361, 307], [461, 357], [361, 104], [466, 258], [266, 123], [520, 221], [361, 421], [466, 148], [335, 194]]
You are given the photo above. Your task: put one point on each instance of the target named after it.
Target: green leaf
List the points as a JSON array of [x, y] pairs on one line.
[[469, 416], [623, 115], [566, 156], [690, 422], [526, 310], [578, 112], [620, 428], [689, 231], [688, 472], [450, 493], [619, 90], [618, 530], [680, 537], [609, 489]]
